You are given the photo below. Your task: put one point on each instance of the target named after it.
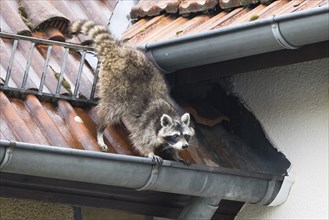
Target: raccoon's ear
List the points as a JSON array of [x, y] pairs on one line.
[[186, 119], [165, 120]]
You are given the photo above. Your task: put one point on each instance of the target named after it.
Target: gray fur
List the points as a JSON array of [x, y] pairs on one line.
[[133, 90]]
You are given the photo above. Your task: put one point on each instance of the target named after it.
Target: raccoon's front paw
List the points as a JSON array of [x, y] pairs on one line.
[[157, 160], [185, 162], [104, 147]]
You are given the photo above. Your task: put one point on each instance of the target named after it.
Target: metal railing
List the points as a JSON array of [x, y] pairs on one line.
[[74, 95]]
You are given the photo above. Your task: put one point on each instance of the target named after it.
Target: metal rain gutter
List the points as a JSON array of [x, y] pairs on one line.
[[289, 31], [208, 183]]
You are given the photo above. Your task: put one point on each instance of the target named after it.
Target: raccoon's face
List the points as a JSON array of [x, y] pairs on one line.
[[175, 133]]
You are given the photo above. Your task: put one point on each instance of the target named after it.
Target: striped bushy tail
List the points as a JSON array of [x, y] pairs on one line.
[[99, 34]]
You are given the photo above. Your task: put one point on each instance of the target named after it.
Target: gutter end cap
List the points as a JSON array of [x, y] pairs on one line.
[[283, 194]]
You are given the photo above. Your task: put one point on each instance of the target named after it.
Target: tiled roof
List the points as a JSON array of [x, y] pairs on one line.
[[155, 22]]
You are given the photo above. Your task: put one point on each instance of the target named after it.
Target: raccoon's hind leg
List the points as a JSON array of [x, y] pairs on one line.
[[106, 116], [100, 136]]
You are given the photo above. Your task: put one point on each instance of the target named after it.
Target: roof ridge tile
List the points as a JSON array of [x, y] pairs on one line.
[[188, 6], [44, 15]]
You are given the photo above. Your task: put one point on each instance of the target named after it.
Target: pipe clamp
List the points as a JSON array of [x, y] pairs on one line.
[[8, 155], [279, 37], [150, 182]]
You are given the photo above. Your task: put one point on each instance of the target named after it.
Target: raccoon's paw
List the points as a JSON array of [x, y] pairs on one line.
[[104, 147], [185, 162], [100, 142], [156, 159]]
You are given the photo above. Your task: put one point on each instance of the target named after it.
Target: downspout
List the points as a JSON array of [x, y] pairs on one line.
[[289, 31], [200, 208]]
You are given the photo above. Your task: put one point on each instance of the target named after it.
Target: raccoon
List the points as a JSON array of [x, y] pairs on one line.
[[133, 91]]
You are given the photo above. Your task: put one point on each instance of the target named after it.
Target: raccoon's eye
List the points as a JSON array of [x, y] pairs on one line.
[[172, 138], [187, 137]]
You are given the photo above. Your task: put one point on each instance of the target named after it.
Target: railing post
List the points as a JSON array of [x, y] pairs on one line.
[[61, 76], [77, 83], [11, 60], [45, 67]]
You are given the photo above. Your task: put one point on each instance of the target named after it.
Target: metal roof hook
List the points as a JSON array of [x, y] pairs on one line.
[[279, 37], [7, 154], [153, 177]]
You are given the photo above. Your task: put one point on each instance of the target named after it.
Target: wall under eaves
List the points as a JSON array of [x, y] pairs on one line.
[[291, 102]]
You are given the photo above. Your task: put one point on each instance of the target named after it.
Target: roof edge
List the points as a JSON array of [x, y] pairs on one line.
[[289, 31], [136, 172]]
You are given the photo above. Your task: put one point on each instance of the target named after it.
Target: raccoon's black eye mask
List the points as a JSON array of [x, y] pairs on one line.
[[171, 138], [187, 137], [174, 138]]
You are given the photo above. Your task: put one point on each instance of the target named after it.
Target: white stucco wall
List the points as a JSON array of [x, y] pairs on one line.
[[291, 103]]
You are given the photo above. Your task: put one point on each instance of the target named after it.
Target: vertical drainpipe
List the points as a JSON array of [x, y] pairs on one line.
[[200, 208]]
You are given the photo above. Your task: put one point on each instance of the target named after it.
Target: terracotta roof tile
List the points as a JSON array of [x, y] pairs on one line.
[[44, 122], [187, 6], [250, 15], [170, 27], [97, 11], [15, 121], [271, 9], [153, 8], [77, 127], [227, 4]]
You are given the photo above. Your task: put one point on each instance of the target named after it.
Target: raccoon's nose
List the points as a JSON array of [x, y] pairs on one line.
[[185, 146]]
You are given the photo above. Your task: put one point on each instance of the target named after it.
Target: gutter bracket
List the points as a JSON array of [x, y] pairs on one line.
[[8, 155], [279, 37], [150, 182]]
